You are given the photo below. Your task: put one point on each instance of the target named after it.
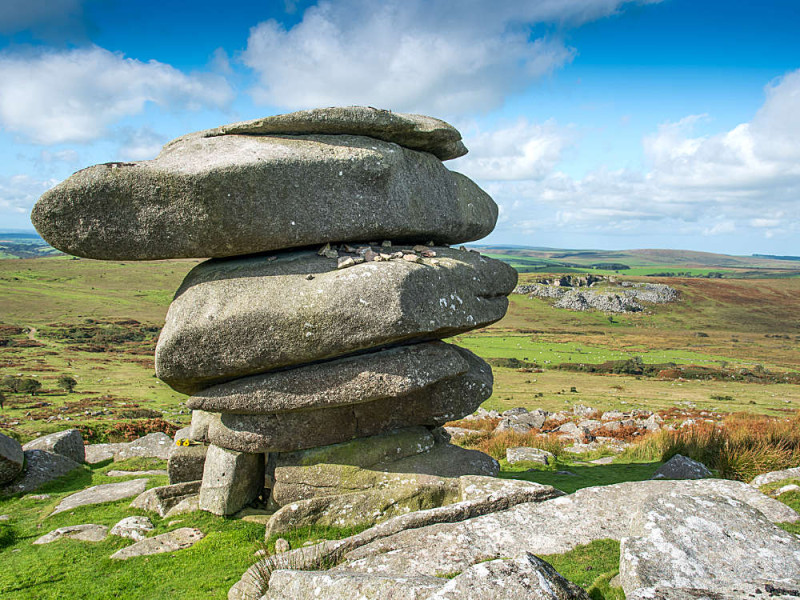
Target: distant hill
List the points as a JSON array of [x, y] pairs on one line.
[[648, 262], [24, 244]]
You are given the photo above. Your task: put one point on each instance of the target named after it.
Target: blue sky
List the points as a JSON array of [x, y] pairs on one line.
[[593, 123]]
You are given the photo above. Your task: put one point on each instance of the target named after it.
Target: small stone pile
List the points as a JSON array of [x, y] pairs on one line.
[[309, 343]]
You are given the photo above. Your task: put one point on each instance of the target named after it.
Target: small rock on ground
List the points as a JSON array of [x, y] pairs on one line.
[[179, 539], [153, 445], [40, 467], [774, 476], [682, 467], [67, 443], [134, 528], [85, 533], [97, 494]]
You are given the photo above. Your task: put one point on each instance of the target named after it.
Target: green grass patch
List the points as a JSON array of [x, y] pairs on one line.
[[585, 564], [571, 476]]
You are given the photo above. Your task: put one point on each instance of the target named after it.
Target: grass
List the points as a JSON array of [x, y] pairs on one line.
[[744, 447], [591, 566], [74, 569]]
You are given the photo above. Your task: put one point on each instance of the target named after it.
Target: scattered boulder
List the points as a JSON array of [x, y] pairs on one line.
[[11, 458], [705, 541], [682, 467], [172, 541], [187, 505], [40, 467], [153, 445], [773, 476], [534, 455], [96, 453], [84, 533], [311, 585], [186, 463], [161, 499], [739, 591], [67, 443], [99, 494], [135, 528]]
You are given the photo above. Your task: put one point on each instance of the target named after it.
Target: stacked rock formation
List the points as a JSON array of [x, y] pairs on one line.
[[310, 342]]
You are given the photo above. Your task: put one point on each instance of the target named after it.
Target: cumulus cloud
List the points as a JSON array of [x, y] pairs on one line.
[[742, 181], [18, 193], [522, 150], [412, 55], [73, 96]]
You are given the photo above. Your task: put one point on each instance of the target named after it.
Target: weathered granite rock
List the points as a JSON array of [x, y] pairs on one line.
[[413, 493], [242, 194], [11, 458], [231, 480], [185, 433], [417, 132], [521, 422], [84, 533], [739, 591], [67, 443], [705, 541], [95, 453], [245, 316], [161, 499], [480, 496], [551, 527], [40, 467], [186, 463], [682, 467], [357, 379], [435, 405], [773, 476], [98, 494], [153, 445], [523, 578], [523, 454], [117, 473], [311, 585], [172, 541], [201, 421], [187, 505], [135, 528], [372, 463]]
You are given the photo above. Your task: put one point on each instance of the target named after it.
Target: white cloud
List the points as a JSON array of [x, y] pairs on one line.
[[412, 55], [745, 181], [73, 96], [522, 150], [18, 193], [141, 144]]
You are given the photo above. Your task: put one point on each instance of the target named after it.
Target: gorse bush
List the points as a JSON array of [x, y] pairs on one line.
[[742, 447]]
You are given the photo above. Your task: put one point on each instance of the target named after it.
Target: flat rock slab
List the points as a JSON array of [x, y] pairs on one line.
[[67, 443], [251, 315], [432, 406], [11, 458], [311, 585], [115, 473], [135, 528], [172, 541], [98, 494], [705, 541], [85, 533], [231, 195], [40, 467], [153, 445], [354, 380], [417, 132], [740, 591], [161, 499], [773, 476], [551, 527], [523, 454]]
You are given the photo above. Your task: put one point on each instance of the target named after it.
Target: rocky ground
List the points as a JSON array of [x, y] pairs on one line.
[[623, 297]]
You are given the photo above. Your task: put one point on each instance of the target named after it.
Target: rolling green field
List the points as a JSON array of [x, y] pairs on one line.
[[721, 323]]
